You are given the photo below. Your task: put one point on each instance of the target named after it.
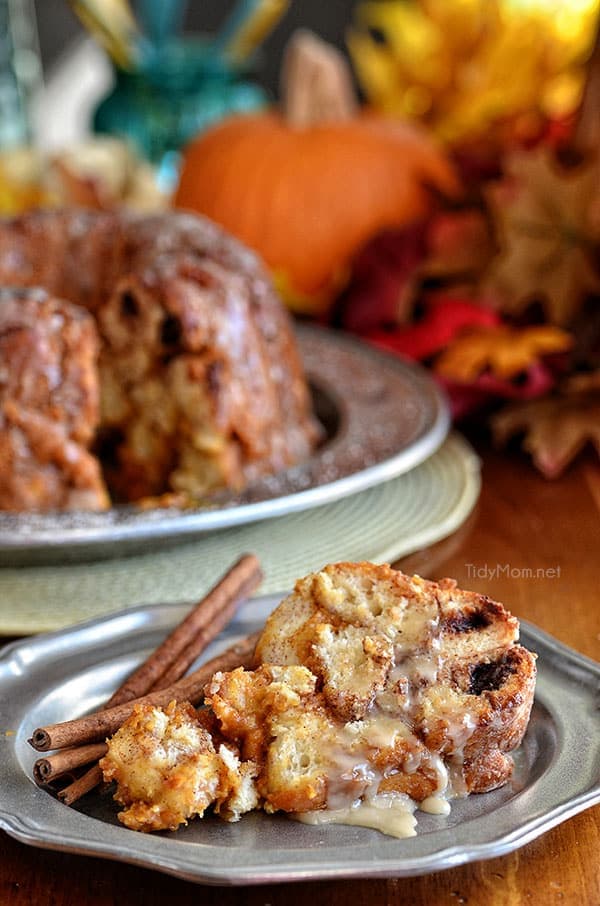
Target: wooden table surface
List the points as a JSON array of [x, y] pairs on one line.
[[523, 521]]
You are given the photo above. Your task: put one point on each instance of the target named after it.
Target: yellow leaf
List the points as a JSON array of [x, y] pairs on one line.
[[463, 65], [504, 351]]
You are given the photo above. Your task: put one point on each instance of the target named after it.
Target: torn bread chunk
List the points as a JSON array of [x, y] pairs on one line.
[[167, 770], [309, 759]]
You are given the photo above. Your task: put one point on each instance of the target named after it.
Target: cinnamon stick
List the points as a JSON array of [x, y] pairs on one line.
[[84, 784], [97, 726], [49, 768], [223, 615], [204, 622], [165, 666]]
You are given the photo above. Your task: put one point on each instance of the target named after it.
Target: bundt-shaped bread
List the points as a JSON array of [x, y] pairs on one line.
[[201, 386]]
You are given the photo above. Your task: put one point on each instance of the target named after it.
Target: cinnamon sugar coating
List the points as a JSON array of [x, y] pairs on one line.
[[49, 404], [168, 770], [200, 380]]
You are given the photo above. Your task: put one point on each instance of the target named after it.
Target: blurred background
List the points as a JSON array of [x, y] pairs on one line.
[[422, 173], [58, 26]]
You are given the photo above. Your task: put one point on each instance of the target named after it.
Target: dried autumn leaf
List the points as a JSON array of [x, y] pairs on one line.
[[388, 273], [555, 429], [465, 399], [504, 351], [385, 280], [444, 318], [548, 227]]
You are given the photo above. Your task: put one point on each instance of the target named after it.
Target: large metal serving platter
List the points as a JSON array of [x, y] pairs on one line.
[[55, 677], [382, 417]]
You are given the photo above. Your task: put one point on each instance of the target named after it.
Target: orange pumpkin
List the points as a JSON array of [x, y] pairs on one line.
[[306, 191]]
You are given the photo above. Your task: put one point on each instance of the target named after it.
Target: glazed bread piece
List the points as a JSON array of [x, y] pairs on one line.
[[307, 757], [49, 404], [376, 692], [201, 383], [443, 661]]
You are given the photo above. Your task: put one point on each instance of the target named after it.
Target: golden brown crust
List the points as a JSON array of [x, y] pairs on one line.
[[201, 383], [48, 404], [168, 770], [273, 716]]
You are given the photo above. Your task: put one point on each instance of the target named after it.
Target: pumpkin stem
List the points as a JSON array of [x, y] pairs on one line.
[[316, 82]]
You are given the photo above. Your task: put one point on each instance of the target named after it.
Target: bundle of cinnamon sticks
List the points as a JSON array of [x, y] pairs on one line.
[[159, 680]]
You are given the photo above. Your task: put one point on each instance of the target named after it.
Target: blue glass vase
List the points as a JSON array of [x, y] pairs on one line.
[[174, 93]]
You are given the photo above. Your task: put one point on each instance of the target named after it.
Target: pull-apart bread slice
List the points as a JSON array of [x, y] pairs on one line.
[[374, 691], [441, 661]]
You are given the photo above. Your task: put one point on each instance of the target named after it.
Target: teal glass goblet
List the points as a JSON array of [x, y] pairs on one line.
[[173, 92]]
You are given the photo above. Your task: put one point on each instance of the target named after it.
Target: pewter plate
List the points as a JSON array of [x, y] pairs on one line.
[[59, 676], [382, 417]]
